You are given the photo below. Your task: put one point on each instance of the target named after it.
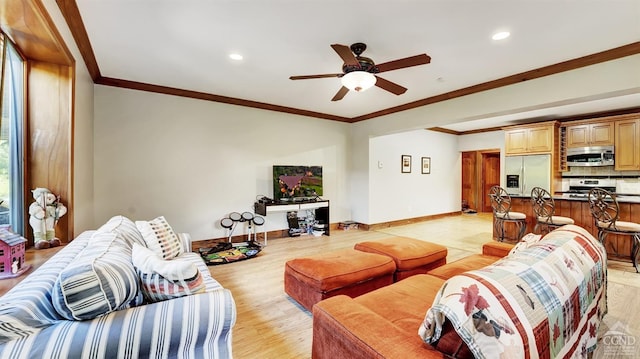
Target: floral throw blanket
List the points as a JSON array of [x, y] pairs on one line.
[[544, 301]]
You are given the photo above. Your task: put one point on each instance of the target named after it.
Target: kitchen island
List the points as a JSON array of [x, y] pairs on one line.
[[577, 208]]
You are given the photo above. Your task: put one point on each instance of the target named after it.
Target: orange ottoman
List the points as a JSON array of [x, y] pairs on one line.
[[491, 252], [311, 279], [412, 256], [469, 263]]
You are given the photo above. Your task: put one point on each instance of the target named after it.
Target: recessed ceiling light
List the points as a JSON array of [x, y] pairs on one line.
[[236, 57], [501, 35]]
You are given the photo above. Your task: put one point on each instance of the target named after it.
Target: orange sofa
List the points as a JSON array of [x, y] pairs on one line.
[[384, 323]]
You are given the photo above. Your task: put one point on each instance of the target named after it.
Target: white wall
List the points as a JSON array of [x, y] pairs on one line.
[[196, 161], [482, 141], [83, 129], [83, 200], [359, 176], [394, 195]]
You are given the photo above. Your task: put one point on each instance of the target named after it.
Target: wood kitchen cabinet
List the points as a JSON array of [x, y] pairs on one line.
[[618, 247], [590, 134], [627, 150], [530, 139]]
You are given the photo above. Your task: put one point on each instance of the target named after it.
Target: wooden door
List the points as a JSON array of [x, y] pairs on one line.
[[469, 179], [490, 177]]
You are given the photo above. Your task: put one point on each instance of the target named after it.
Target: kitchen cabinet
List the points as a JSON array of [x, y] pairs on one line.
[[618, 247], [627, 144], [530, 139], [590, 134], [562, 150]]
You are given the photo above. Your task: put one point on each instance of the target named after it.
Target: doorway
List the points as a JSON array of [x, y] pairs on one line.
[[480, 172]]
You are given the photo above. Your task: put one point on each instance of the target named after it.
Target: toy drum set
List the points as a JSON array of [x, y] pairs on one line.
[[228, 252], [253, 221]]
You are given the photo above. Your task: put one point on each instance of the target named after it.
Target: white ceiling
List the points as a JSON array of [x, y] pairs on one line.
[[185, 44]]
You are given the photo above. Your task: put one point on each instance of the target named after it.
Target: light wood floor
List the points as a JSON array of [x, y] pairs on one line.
[[271, 325]]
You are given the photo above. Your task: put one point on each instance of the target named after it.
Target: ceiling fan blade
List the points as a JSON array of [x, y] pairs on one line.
[[406, 62], [390, 86], [340, 94], [307, 77], [345, 53]]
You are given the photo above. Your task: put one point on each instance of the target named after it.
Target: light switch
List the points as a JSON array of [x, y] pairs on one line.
[[379, 164]]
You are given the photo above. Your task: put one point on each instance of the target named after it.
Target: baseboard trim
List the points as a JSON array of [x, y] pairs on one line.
[[402, 222], [282, 233], [275, 234]]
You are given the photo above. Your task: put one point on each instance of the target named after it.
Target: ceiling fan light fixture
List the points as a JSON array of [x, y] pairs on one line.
[[358, 80]]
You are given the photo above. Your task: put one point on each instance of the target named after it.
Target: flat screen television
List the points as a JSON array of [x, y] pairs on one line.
[[296, 183]]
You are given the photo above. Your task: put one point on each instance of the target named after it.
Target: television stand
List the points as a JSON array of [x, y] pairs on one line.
[[321, 208]]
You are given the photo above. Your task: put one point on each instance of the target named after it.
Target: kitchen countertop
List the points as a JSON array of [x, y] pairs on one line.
[[620, 198], [565, 196]]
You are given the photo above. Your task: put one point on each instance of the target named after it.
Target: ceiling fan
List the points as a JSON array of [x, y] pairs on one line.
[[359, 72]]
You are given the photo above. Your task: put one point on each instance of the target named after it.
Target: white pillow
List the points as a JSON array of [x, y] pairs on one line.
[[147, 261], [527, 241], [124, 227], [165, 279], [160, 237]]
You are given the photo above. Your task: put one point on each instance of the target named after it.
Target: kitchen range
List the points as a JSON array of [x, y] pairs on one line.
[[580, 187], [625, 189]]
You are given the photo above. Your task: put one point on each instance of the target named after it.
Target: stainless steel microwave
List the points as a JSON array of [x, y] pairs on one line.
[[590, 156]]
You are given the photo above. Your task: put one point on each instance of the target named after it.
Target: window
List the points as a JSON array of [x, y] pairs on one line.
[[11, 137]]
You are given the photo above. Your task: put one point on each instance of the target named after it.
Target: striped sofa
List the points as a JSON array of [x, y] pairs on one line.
[[191, 326]]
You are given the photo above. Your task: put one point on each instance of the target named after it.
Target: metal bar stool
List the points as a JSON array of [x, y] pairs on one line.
[[606, 211], [501, 204], [544, 208]]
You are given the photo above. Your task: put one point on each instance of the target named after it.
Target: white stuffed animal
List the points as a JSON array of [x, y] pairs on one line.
[[45, 212]]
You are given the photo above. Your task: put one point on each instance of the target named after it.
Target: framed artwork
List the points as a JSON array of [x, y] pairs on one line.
[[406, 164], [426, 165]]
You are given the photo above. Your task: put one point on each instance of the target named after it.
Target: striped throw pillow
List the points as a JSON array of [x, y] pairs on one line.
[[100, 281], [156, 288], [160, 237]]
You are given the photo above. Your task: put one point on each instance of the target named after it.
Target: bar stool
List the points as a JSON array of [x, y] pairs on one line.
[[606, 211], [501, 204], [544, 208]]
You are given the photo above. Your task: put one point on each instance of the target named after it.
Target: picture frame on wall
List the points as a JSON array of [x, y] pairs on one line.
[[426, 165], [405, 163]]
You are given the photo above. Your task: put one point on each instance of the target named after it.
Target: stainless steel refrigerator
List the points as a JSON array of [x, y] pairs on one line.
[[527, 171]]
